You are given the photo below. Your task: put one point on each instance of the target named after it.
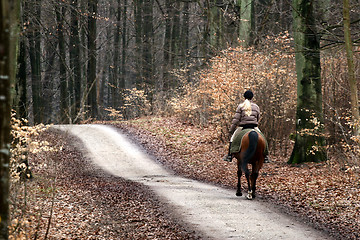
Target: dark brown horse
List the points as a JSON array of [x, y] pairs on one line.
[[251, 152]]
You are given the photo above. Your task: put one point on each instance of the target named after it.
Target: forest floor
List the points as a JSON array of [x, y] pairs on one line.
[[326, 195], [68, 198]]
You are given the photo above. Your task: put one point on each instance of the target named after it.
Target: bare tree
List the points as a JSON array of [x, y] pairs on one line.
[[351, 67], [92, 64], [309, 140], [247, 21], [7, 10], [34, 37], [75, 60], [64, 89]]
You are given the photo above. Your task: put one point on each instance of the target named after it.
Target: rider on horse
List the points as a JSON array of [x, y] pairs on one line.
[[247, 116]]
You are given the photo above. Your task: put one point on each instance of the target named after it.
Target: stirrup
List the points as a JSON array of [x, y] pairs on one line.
[[228, 158]]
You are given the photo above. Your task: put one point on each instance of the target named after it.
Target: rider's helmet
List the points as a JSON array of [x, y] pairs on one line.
[[248, 95]]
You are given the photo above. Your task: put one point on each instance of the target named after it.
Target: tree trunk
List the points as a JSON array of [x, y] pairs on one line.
[[64, 90], [351, 68], [184, 36], [309, 140], [148, 61], [124, 47], [216, 26], [114, 88], [20, 98], [21, 88], [247, 22], [75, 60], [165, 84], [91, 81], [6, 11], [138, 6], [14, 33], [185, 30], [49, 75], [175, 36], [34, 37]]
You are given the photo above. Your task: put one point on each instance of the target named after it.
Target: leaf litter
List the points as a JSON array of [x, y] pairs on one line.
[[325, 195]]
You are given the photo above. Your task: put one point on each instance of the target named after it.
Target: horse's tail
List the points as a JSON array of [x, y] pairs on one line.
[[250, 151]]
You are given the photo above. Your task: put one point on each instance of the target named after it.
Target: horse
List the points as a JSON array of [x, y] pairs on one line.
[[251, 152]]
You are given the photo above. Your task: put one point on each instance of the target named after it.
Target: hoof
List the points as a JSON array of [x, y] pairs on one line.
[[249, 196], [238, 194]]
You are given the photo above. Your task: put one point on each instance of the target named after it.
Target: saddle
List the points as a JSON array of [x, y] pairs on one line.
[[236, 144]]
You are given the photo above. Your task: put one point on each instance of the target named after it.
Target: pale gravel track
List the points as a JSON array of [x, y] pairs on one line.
[[214, 211]]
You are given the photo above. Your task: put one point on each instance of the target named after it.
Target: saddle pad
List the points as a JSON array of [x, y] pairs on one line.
[[236, 144]]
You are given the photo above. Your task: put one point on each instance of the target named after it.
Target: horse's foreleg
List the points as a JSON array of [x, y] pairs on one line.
[[238, 191]]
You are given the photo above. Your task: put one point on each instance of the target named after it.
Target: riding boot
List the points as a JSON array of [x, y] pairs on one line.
[[228, 157]]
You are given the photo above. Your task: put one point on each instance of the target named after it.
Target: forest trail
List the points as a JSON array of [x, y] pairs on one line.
[[214, 211]]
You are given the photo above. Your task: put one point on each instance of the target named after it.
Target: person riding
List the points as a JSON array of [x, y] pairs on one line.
[[247, 116]]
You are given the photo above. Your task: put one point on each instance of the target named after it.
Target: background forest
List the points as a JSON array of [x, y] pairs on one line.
[[81, 60], [86, 56]]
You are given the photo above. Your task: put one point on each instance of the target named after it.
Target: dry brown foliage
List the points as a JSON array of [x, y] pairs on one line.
[[269, 70]]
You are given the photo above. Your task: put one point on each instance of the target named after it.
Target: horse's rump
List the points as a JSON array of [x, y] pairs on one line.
[[238, 138]]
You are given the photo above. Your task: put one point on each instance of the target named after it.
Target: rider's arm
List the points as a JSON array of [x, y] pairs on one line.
[[236, 120]]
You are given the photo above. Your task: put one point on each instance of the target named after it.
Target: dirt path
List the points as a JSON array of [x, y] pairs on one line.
[[214, 211]]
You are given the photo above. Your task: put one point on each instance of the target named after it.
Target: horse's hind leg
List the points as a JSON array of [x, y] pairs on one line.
[[238, 191], [253, 177], [247, 175], [250, 193]]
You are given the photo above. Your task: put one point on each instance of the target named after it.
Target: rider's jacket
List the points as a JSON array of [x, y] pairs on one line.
[[241, 119]]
